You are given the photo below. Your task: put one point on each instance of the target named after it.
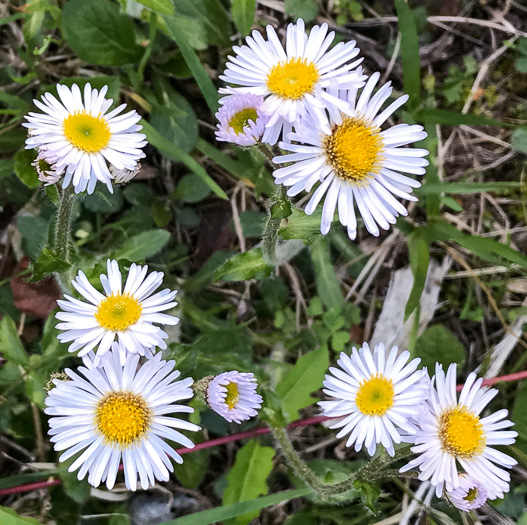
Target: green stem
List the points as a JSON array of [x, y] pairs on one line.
[[376, 469], [280, 208], [266, 151], [62, 238], [296, 462]]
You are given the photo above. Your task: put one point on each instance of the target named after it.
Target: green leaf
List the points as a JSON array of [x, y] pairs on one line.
[[211, 516], [165, 7], [301, 226], [10, 517], [10, 343], [245, 171], [328, 286], [244, 266], [409, 52], [492, 251], [23, 169], [247, 477], [47, 263], [301, 381], [519, 414], [77, 490], [211, 17], [461, 188], [173, 152], [174, 118], [53, 194], [438, 344], [99, 34], [521, 65], [191, 188], [102, 201], [243, 12], [306, 9], [143, 245], [519, 140], [418, 250], [174, 26], [454, 118], [7, 167]]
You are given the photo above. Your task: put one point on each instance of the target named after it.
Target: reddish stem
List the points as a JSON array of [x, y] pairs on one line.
[[246, 435]]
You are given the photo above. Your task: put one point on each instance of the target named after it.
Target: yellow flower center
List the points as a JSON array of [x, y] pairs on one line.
[[292, 79], [375, 396], [118, 312], [461, 433], [86, 132], [242, 118], [233, 395], [472, 494], [354, 149], [122, 417]]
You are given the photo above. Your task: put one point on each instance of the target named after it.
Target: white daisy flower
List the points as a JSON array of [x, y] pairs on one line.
[[355, 162], [83, 137], [376, 394], [293, 80], [452, 431], [471, 494], [120, 411], [241, 119], [45, 166], [127, 316], [233, 396]]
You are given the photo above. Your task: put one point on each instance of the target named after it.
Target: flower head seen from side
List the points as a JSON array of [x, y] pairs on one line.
[[233, 396], [292, 80], [124, 176], [241, 120], [376, 395], [45, 166], [452, 431], [355, 162], [120, 413], [125, 315], [471, 494], [83, 137]]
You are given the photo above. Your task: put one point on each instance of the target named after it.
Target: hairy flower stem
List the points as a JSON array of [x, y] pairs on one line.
[[62, 238], [280, 208], [376, 469], [265, 151], [295, 461]]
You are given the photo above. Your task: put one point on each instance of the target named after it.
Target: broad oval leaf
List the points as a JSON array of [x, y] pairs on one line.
[[99, 33], [247, 478]]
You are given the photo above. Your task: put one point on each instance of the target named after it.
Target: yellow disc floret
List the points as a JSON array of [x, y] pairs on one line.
[[461, 432], [233, 395], [122, 417], [118, 312], [293, 79], [86, 132], [354, 149], [375, 396], [242, 118], [472, 494]]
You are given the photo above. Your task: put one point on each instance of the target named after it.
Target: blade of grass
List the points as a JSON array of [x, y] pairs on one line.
[[207, 517], [171, 151], [453, 118], [460, 188], [409, 52], [198, 71], [419, 253]]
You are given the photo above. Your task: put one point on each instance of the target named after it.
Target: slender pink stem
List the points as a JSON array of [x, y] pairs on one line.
[[246, 435]]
